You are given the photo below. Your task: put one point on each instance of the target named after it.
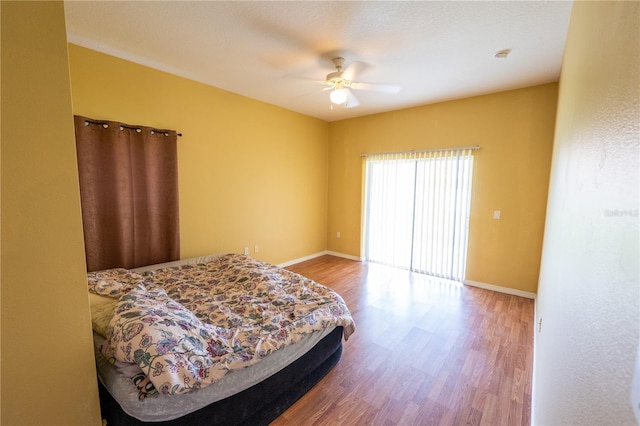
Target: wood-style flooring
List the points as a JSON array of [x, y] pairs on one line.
[[425, 352]]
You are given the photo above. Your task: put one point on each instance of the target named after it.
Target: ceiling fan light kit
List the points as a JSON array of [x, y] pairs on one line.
[[337, 84], [341, 82], [338, 96]]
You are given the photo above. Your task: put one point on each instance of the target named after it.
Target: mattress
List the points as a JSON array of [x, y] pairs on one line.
[[160, 408], [258, 405]]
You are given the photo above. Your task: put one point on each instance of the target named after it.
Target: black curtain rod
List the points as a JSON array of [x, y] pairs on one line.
[[125, 126]]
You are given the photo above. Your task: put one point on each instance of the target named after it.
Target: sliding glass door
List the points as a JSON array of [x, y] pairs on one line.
[[417, 210]]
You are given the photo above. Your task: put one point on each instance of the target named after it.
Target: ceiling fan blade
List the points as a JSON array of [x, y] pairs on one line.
[[386, 88], [352, 101], [302, 78], [307, 94], [354, 68]]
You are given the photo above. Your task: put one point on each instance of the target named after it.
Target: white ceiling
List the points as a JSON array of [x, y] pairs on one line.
[[273, 51]]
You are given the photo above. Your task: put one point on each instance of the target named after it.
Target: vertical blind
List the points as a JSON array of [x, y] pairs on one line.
[[417, 210]]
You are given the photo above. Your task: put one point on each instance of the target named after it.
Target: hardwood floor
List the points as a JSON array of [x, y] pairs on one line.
[[425, 352]]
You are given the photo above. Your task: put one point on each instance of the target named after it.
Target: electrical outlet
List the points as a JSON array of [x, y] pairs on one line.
[[256, 249], [246, 250], [338, 234], [496, 214]]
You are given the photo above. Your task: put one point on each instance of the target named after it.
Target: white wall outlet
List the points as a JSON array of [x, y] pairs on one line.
[[246, 250], [338, 234], [496, 214], [256, 249]]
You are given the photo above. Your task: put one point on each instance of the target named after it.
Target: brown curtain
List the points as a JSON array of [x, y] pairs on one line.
[[129, 194]]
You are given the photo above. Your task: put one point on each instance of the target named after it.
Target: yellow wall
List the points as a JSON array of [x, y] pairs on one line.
[[249, 173], [48, 371], [515, 132], [255, 174], [589, 294]]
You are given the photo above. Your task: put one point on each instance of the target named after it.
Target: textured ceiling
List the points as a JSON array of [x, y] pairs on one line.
[[277, 51]]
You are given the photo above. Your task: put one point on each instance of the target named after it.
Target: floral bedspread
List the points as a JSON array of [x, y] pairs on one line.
[[187, 326]]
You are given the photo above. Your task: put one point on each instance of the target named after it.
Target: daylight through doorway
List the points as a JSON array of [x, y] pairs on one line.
[[416, 210]]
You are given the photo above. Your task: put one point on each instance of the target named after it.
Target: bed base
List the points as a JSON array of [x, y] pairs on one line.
[[258, 405]]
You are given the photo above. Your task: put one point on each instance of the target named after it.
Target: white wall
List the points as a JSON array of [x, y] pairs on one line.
[[589, 292]]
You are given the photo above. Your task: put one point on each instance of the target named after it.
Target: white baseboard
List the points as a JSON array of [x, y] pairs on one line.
[[313, 256], [346, 256], [302, 259], [500, 289], [491, 287], [534, 387]]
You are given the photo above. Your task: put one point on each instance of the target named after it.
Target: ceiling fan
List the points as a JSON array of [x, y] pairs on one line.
[[341, 82]]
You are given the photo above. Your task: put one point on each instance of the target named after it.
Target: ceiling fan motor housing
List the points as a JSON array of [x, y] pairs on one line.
[[335, 79]]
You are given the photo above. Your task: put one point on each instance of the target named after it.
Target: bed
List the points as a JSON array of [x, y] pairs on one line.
[[222, 339]]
